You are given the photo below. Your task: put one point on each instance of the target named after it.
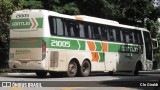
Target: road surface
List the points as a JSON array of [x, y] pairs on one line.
[[120, 81]]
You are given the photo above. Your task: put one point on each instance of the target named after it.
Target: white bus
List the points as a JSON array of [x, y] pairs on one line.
[[45, 41]]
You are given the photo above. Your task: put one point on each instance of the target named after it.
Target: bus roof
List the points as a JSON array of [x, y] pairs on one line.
[[81, 18]]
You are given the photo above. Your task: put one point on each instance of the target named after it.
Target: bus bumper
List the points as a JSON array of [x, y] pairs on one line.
[[27, 65]]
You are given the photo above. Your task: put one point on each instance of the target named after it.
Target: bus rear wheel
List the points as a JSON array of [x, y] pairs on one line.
[[137, 69], [41, 74], [85, 69], [72, 69]]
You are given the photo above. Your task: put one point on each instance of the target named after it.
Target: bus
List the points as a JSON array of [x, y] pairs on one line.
[[45, 41]]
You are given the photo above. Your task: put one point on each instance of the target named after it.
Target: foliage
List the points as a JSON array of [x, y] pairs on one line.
[[6, 9], [32, 4], [61, 6], [97, 8]]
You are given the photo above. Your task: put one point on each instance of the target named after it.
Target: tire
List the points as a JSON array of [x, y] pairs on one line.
[[135, 72], [137, 69], [85, 69], [41, 74], [72, 69]]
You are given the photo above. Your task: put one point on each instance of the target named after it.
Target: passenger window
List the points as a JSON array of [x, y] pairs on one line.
[[81, 30], [53, 25], [118, 35], [111, 34], [72, 28], [138, 37], [87, 31], [104, 33], [56, 26], [96, 33], [59, 27], [131, 40]]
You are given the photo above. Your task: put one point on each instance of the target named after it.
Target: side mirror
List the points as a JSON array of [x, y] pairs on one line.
[[155, 43]]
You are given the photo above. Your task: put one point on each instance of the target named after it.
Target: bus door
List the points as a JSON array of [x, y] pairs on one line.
[[148, 50]]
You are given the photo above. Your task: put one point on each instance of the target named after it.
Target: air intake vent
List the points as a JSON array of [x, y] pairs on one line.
[[54, 59]]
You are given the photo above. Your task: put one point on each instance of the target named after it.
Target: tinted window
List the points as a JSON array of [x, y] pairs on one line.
[[104, 33], [118, 35], [53, 25], [96, 31], [111, 34], [87, 31], [72, 28], [81, 30], [137, 37], [59, 27]]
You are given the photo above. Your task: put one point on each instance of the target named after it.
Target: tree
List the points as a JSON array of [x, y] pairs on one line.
[[61, 6], [133, 12], [32, 4], [97, 8], [6, 9]]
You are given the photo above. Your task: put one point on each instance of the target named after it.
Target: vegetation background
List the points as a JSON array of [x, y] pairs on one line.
[[141, 13]]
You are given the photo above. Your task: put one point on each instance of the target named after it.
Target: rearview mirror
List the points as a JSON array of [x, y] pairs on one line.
[[155, 43]]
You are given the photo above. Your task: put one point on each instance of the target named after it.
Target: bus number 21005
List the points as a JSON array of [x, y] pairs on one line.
[[57, 43]]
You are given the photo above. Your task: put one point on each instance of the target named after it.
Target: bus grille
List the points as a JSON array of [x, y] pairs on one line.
[[54, 59]]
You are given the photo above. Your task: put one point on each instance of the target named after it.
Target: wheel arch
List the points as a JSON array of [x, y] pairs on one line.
[[76, 61], [139, 63]]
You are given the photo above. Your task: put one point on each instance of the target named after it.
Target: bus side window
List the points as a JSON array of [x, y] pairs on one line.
[[111, 34], [87, 31], [76, 29], [118, 35], [130, 33], [124, 36], [67, 28], [72, 28], [137, 37], [60, 30], [128, 37], [104, 33], [96, 33], [64, 27], [81, 30], [53, 25]]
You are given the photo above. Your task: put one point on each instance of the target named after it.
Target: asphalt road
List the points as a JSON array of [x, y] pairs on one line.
[[120, 81]]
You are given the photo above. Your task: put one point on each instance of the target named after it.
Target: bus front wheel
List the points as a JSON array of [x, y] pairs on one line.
[[137, 69], [72, 69], [41, 74]]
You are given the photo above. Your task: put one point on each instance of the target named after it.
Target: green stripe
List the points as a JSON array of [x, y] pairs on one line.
[[82, 45], [114, 47], [102, 57], [98, 46], [40, 22]]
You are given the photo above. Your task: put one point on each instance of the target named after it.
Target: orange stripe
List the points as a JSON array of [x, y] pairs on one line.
[[91, 45], [34, 23], [95, 56], [104, 47], [79, 18]]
